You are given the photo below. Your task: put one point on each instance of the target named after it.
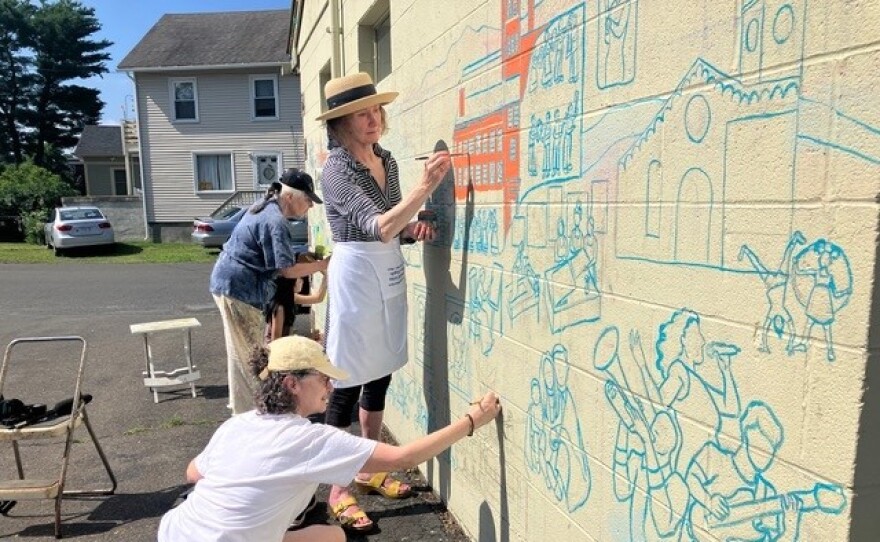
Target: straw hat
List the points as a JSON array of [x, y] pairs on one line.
[[351, 93]]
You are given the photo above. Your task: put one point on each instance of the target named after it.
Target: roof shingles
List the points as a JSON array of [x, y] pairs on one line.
[[235, 38], [99, 140]]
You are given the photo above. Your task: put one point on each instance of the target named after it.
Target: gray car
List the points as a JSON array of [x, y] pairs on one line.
[[212, 231], [74, 227]]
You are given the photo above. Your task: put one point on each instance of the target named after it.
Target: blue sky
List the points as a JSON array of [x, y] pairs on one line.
[[125, 23]]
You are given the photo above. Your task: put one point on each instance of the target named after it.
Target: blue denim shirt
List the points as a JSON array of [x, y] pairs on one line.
[[259, 247]]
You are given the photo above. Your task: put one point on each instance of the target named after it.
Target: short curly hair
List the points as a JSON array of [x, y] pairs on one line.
[[272, 396]]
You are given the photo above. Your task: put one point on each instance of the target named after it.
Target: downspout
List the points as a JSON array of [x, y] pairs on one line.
[[141, 160], [336, 40], [129, 183], [294, 39]]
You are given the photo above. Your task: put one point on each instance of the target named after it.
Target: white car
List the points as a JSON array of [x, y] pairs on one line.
[[77, 227]]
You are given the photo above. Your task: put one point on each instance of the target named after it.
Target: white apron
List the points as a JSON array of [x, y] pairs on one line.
[[367, 311]]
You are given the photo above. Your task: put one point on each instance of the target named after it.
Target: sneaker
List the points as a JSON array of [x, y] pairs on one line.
[[301, 518]]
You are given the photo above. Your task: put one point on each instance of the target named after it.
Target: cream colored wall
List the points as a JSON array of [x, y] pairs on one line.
[[671, 280]]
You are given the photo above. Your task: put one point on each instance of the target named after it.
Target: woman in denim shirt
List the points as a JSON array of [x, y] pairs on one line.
[[242, 282]]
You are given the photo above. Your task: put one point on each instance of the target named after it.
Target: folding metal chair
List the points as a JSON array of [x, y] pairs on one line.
[[63, 427]]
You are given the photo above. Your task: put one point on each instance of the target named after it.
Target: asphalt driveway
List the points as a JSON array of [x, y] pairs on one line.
[[148, 444]]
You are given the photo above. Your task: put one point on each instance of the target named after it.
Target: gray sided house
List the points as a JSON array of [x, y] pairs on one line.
[[218, 112], [107, 168]]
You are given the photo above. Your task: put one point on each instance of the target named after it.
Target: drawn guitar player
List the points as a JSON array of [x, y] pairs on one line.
[[731, 500]]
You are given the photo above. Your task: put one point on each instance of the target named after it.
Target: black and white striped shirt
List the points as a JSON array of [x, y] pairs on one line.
[[352, 199]]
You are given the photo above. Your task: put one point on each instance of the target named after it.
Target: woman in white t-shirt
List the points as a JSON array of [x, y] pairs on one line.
[[262, 467]]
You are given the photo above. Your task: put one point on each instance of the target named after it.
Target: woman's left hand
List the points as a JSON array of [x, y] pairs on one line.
[[420, 231]]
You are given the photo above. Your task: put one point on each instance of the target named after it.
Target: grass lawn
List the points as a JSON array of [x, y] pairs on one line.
[[127, 252]]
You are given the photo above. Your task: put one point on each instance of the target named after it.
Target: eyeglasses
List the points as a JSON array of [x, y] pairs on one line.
[[324, 378]]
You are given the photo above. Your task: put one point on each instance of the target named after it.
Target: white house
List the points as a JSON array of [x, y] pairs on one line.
[[218, 112]]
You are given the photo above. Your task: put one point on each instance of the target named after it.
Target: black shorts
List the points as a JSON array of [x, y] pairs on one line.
[[342, 401]]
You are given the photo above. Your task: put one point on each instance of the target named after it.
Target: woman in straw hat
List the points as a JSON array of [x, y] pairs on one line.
[[261, 468], [367, 312]]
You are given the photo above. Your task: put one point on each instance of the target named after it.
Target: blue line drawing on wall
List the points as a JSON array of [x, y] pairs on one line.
[[693, 217], [766, 136], [683, 369], [778, 318], [558, 55], [823, 285], [551, 143], [536, 62], [732, 497], [697, 118], [484, 235], [573, 295], [647, 444], [704, 174], [696, 483], [412, 256], [485, 287], [553, 148], [616, 42], [405, 394], [555, 446], [853, 138], [772, 35], [650, 441], [565, 235], [524, 288], [653, 197]]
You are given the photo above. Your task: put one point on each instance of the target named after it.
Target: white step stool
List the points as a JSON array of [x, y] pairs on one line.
[[154, 378]]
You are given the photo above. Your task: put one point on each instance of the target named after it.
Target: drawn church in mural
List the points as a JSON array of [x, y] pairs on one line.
[[718, 143]]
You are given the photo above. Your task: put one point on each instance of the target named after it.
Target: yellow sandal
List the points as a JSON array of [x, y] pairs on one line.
[[376, 485], [348, 521]]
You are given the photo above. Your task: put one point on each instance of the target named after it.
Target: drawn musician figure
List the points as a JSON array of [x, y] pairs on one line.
[[731, 498]]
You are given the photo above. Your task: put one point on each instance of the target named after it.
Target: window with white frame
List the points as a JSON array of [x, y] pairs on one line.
[[185, 100], [213, 172], [374, 41], [264, 97], [323, 78]]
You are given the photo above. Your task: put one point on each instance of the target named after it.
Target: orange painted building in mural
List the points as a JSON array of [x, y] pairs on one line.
[[489, 142]]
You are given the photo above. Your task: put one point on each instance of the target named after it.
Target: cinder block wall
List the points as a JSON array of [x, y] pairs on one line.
[[659, 247], [125, 213]]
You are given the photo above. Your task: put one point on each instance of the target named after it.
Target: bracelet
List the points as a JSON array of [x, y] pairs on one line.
[[470, 419]]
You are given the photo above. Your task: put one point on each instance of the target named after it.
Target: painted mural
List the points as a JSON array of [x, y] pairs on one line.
[[628, 251]]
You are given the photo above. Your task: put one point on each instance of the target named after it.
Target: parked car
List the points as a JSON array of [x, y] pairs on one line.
[[77, 227], [212, 231]]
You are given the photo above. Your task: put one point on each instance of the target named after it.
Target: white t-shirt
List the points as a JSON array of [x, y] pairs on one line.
[[260, 471]]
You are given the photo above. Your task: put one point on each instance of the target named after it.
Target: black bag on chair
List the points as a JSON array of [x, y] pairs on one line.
[[14, 413]]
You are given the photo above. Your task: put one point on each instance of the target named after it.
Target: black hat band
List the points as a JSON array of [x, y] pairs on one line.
[[350, 95]]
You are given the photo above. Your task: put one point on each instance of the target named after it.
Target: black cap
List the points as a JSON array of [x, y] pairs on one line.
[[300, 180]]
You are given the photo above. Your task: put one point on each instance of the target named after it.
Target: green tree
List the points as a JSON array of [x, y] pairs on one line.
[[43, 49], [16, 78], [64, 52], [27, 188]]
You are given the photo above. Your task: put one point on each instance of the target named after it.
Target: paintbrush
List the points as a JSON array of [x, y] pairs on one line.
[[450, 154]]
